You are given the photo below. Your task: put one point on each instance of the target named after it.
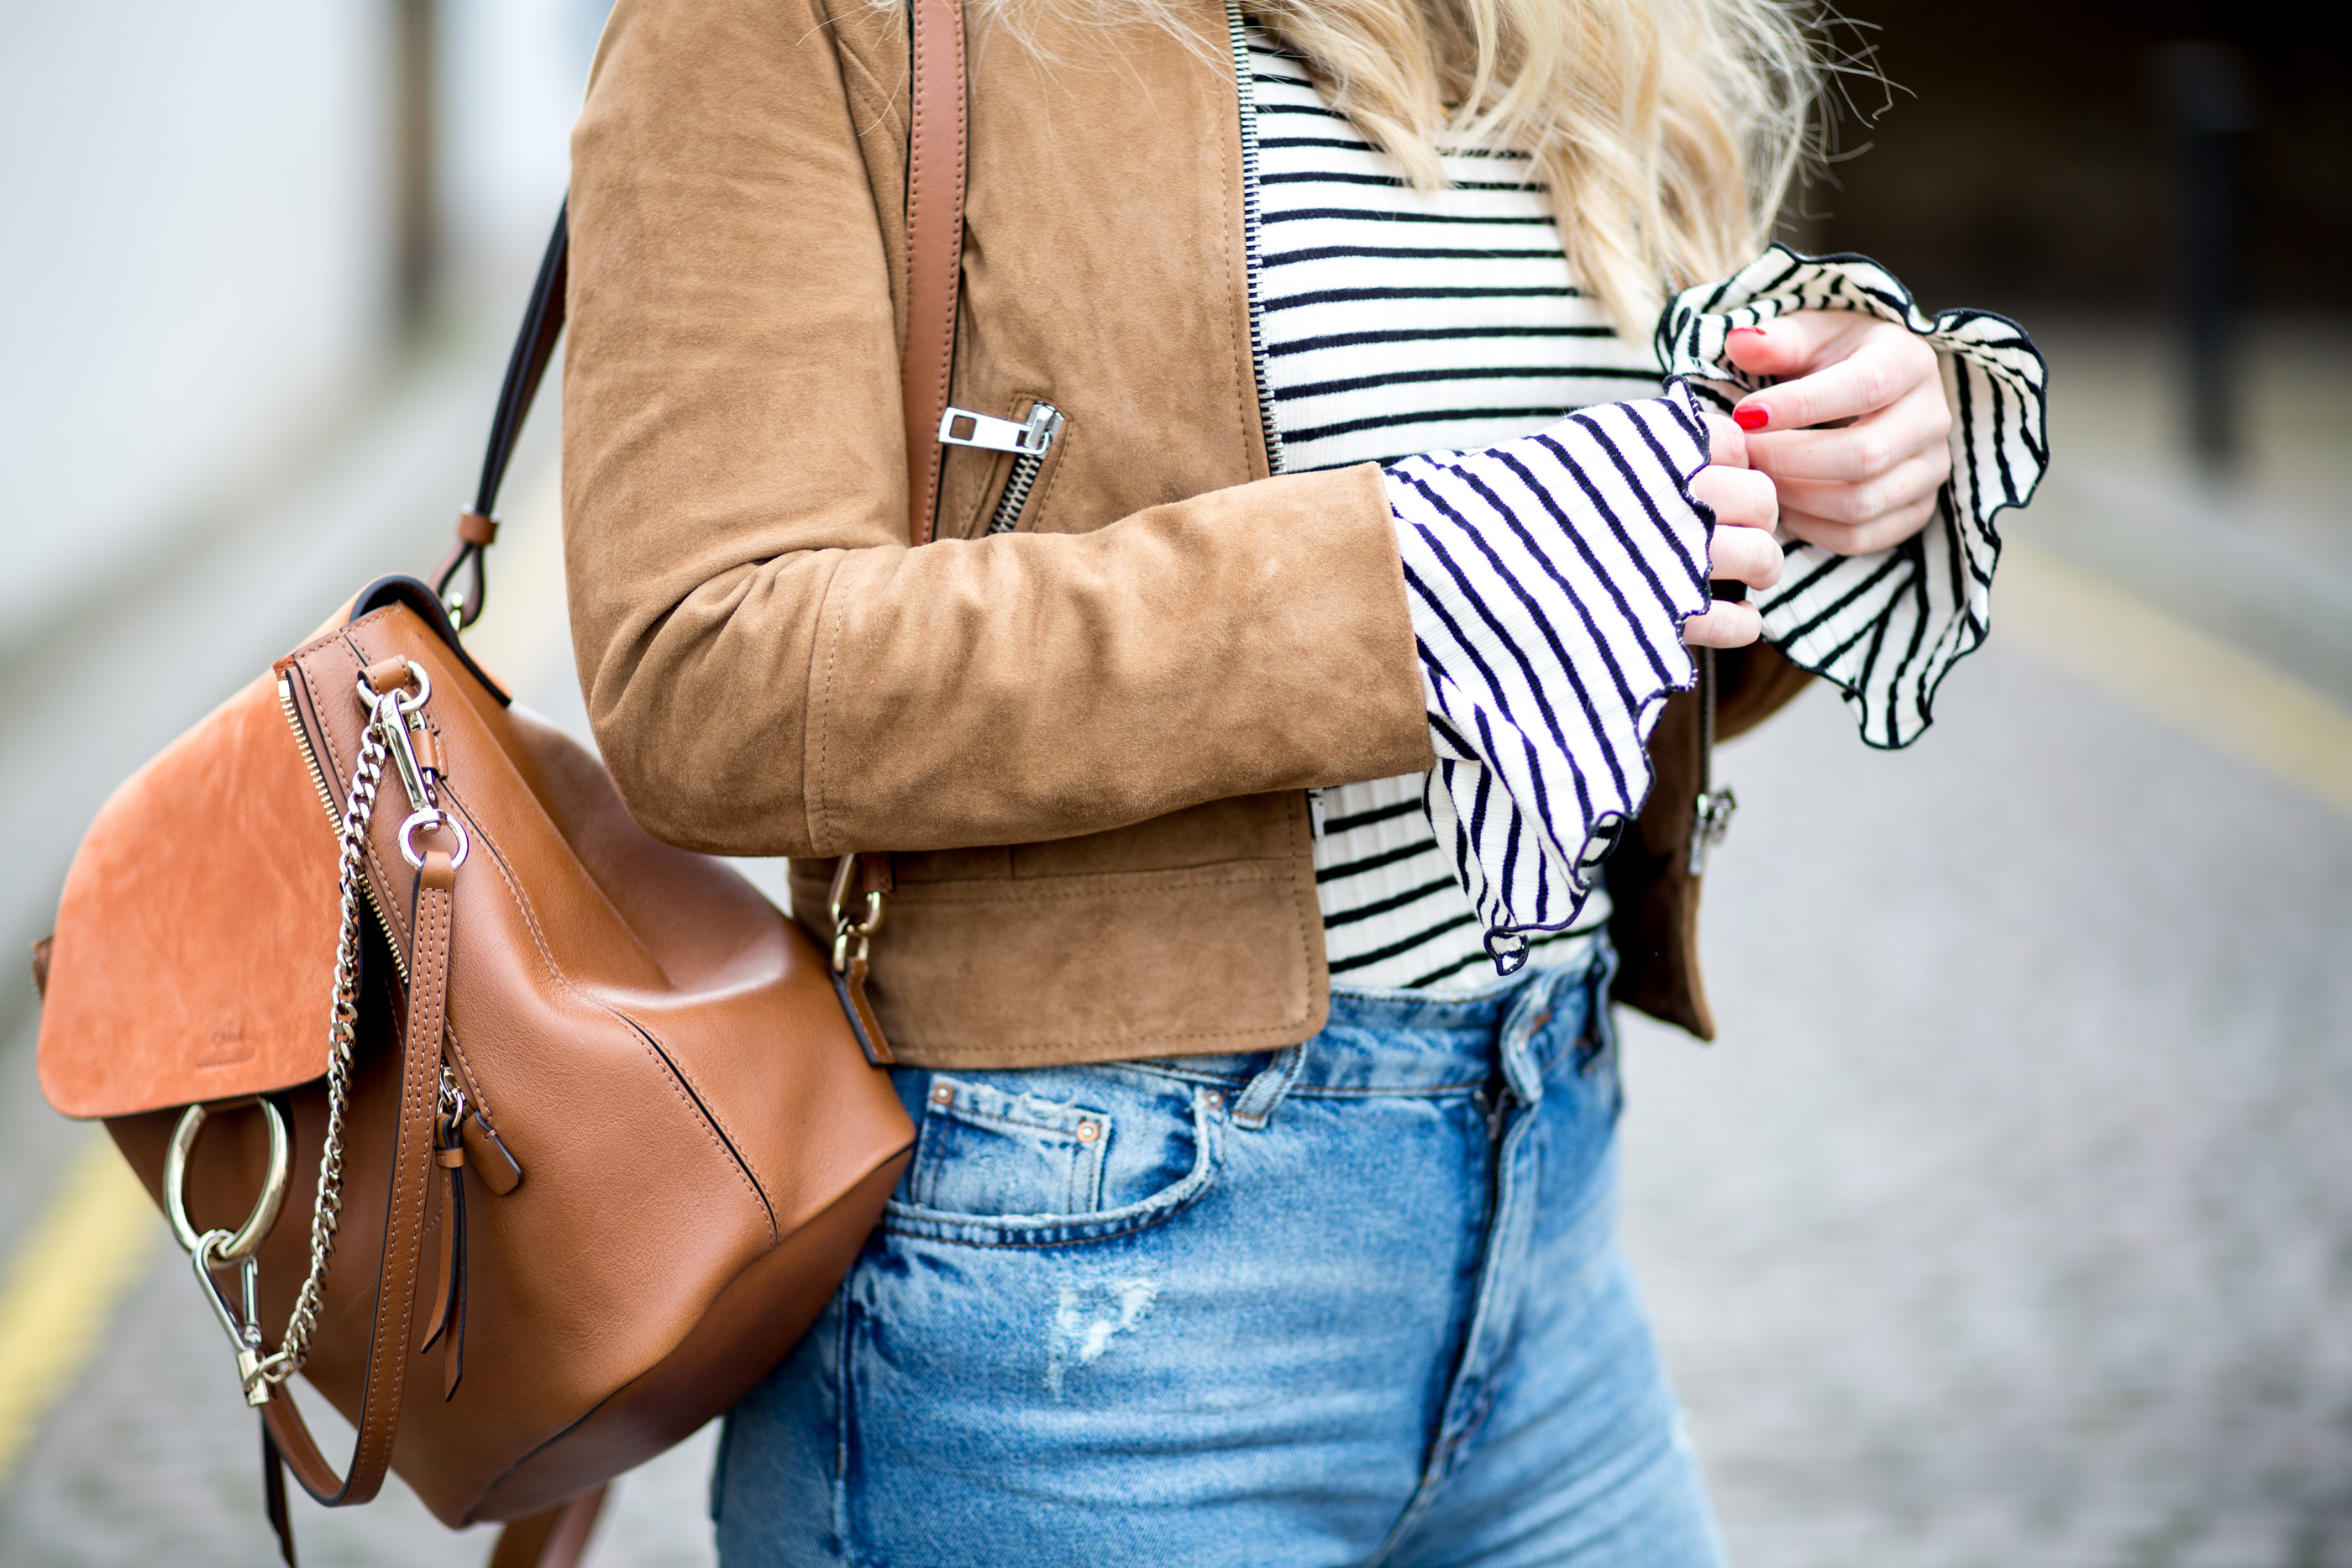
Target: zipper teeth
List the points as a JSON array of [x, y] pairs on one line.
[[1016, 493], [1248, 92], [334, 817], [294, 723]]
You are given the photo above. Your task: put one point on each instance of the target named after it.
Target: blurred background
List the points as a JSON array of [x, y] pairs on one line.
[[2010, 1219]]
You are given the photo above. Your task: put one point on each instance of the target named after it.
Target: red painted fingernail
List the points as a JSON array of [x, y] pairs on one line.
[[1751, 416], [1737, 330]]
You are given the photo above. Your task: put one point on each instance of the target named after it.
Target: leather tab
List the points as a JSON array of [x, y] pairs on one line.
[[436, 1317], [498, 1167], [851, 989], [477, 529], [41, 951], [386, 675], [446, 1320], [426, 743]]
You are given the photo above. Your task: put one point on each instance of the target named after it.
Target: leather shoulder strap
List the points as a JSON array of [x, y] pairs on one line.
[[935, 186], [404, 1216]]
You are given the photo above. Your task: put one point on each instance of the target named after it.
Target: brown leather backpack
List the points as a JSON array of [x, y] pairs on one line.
[[585, 1121]]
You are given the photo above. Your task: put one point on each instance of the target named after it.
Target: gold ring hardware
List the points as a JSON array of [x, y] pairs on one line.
[[246, 1239], [843, 928]]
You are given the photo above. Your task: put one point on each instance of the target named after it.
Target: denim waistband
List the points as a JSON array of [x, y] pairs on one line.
[[1418, 1041]]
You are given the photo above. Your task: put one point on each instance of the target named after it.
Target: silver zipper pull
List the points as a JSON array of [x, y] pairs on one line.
[[1034, 438], [963, 427], [1711, 814], [1710, 822]]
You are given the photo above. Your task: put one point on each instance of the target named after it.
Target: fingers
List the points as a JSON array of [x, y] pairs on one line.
[[1883, 532], [1750, 556], [1918, 423], [1793, 344], [1855, 373], [1871, 482], [1725, 625], [1741, 498], [1726, 443], [1740, 546], [1862, 502]]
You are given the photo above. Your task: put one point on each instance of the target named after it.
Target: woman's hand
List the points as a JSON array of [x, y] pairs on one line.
[[1742, 545], [1871, 482]]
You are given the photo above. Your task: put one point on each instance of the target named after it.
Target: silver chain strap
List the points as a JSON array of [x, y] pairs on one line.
[[359, 810]]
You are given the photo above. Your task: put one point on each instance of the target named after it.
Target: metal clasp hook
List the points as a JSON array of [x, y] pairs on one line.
[[844, 929], [214, 1249]]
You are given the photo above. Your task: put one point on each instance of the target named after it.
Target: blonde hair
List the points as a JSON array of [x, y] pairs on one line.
[[1668, 131]]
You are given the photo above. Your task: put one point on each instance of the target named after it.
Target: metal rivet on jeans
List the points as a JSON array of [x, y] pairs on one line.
[[942, 1094], [1088, 1132]]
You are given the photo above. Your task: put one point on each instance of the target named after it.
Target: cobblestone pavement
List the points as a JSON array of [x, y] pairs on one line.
[[2008, 1224]]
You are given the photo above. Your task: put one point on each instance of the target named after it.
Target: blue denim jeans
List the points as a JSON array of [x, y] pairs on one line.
[[1360, 1302]]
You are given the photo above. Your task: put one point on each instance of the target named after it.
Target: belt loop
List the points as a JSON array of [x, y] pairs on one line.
[[1264, 1092]]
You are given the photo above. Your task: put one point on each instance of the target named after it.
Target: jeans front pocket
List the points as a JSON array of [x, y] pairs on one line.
[[1054, 1156], [984, 1151]]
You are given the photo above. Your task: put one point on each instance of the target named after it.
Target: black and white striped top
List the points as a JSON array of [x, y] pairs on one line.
[[1397, 323], [1550, 561]]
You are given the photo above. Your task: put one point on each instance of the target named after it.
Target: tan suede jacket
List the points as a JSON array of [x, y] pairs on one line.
[[1085, 740]]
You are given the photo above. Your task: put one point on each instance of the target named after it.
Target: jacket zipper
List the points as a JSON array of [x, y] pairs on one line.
[[1236, 28], [1029, 440], [1047, 420], [1711, 813], [1245, 95]]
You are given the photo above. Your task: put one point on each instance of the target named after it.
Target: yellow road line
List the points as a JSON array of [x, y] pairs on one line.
[[59, 1294], [2175, 673]]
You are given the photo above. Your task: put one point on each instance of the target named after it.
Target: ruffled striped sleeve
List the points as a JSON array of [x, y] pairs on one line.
[[1885, 628], [1548, 578]]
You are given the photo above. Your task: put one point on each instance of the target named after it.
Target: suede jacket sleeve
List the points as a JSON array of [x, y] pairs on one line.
[[768, 669]]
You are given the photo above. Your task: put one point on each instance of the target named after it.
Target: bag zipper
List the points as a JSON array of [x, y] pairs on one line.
[[1246, 92], [290, 705], [1029, 440]]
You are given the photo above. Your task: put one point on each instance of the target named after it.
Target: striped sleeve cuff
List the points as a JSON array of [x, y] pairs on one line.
[[1548, 578], [1885, 628]]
